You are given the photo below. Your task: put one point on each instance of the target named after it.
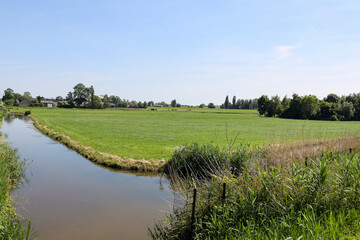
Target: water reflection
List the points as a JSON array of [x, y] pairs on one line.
[[69, 197]]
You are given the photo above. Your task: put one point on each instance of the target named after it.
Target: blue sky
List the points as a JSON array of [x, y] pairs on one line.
[[193, 51]]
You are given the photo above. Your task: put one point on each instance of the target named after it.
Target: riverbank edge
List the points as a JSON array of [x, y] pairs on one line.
[[104, 159]]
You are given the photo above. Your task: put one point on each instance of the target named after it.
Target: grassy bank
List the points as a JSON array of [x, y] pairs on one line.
[[11, 175], [312, 198]]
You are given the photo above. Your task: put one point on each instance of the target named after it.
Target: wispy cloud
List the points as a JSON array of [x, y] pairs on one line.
[[284, 51]]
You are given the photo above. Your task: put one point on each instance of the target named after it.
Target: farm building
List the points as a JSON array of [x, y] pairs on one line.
[[49, 104], [24, 103]]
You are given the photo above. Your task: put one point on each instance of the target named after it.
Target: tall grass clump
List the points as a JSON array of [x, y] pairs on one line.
[[204, 161], [318, 198], [11, 175]]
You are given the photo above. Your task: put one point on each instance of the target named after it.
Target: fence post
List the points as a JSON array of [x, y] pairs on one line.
[[306, 161], [224, 191], [350, 150], [193, 210]]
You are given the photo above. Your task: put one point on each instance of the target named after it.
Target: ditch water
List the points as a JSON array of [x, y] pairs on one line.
[[69, 197]]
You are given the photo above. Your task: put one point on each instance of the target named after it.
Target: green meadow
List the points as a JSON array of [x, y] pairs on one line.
[[152, 135]]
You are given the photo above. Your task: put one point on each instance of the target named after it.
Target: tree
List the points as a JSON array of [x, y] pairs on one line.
[[173, 103], [234, 102], [346, 111], [59, 98], [332, 98], [70, 99], [106, 101], [81, 94], [27, 95], [309, 107], [202, 105], [263, 103], [91, 92], [211, 105], [8, 94], [40, 98], [97, 102], [227, 102], [274, 107]]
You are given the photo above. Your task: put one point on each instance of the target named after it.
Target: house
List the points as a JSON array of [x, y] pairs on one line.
[[49, 104], [24, 103]]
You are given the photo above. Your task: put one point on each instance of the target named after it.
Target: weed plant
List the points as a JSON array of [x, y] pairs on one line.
[[11, 175], [318, 198]]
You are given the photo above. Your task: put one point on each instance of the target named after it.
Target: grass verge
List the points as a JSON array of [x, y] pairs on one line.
[[11, 175]]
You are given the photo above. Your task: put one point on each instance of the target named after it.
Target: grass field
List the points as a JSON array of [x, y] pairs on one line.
[[152, 135]]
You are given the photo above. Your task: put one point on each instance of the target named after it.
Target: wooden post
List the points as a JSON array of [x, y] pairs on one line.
[[193, 209], [350, 150], [224, 191]]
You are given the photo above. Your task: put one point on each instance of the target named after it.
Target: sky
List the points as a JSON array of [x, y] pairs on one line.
[[192, 51]]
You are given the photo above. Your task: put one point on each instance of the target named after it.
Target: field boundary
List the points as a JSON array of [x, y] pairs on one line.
[[104, 159]]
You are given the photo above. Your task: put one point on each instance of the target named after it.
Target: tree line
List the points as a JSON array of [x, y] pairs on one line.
[[81, 97], [332, 107], [11, 98], [239, 103]]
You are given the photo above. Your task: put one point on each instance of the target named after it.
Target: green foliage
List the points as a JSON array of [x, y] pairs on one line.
[[207, 160], [316, 200], [11, 175], [211, 105], [310, 107]]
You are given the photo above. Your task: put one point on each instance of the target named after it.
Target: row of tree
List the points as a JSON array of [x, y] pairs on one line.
[[332, 107], [11, 98], [85, 97], [239, 103]]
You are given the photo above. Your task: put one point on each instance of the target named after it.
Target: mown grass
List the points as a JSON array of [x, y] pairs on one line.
[[11, 175], [316, 198], [152, 135]]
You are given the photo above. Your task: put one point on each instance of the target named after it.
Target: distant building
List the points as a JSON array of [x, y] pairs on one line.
[[24, 103], [49, 104]]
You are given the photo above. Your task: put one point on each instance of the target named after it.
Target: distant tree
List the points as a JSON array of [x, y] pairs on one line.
[[91, 93], [274, 107], [332, 98], [27, 95], [70, 99], [39, 99], [8, 94], [234, 102], [97, 102], [227, 102], [10, 102], [106, 101], [202, 105], [263, 103], [178, 105], [285, 103], [211, 105], [327, 110], [81, 94], [59, 98], [150, 104], [309, 107], [173, 103], [346, 111], [18, 97]]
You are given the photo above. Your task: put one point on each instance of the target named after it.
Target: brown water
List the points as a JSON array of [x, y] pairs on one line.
[[69, 197]]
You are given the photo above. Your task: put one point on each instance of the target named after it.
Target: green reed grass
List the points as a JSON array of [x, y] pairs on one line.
[[11, 175], [314, 199]]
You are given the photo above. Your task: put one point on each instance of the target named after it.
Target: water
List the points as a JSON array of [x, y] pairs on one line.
[[69, 197]]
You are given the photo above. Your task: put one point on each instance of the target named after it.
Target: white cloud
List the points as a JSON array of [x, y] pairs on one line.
[[282, 52]]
